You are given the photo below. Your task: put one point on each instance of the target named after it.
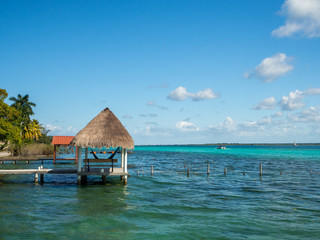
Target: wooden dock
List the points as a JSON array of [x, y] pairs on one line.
[[27, 160], [103, 172]]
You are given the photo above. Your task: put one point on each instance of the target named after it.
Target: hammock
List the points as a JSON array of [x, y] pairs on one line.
[[111, 156]]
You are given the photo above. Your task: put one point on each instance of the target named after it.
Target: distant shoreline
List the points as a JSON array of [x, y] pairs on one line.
[[234, 144]]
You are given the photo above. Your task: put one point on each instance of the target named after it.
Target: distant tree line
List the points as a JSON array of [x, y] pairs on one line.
[[17, 128]]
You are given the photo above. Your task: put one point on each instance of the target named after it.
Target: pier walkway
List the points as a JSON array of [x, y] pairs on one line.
[[103, 172]]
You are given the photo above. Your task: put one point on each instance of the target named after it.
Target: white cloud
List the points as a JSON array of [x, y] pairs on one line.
[[204, 94], [310, 115], [292, 102], [153, 104], [303, 17], [127, 116], [153, 130], [277, 115], [264, 121], [228, 125], [152, 115], [181, 94], [312, 91], [59, 130], [271, 68], [186, 126], [53, 128], [268, 103]]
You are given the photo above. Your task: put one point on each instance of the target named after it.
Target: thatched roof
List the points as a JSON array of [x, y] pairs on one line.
[[105, 130]]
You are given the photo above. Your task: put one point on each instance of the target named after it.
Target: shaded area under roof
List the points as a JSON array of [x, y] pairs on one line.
[[105, 130]]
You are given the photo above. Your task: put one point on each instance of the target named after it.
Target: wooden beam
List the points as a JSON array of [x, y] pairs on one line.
[[100, 160], [54, 153]]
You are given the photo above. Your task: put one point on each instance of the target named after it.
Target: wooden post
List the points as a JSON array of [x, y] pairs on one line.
[[83, 180], [104, 177], [260, 169], [41, 178], [151, 170], [208, 169], [78, 157], [122, 157], [124, 161], [36, 178], [86, 153], [54, 154], [188, 172], [225, 171]]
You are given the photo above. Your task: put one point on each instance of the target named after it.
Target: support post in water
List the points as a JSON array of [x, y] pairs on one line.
[[260, 169], [41, 178], [188, 172], [208, 169], [225, 171], [36, 178], [104, 177], [151, 170]]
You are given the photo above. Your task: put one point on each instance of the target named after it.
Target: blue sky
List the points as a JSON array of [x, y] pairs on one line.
[[173, 72]]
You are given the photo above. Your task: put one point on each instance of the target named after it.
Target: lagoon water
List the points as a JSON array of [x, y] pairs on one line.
[[170, 205]]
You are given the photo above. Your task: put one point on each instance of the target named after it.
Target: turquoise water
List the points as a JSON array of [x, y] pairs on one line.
[[170, 205]]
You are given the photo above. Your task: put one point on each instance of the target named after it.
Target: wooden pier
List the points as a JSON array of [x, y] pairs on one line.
[[103, 172], [105, 130]]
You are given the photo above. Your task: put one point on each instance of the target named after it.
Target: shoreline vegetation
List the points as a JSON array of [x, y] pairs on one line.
[[19, 133]]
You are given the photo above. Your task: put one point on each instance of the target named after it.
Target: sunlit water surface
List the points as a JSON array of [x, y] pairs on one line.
[[283, 204]]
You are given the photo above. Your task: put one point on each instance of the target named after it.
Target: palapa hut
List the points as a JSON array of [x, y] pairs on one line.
[[105, 130]]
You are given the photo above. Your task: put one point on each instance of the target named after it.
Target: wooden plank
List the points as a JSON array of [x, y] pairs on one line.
[[100, 160], [34, 171], [105, 173], [61, 159], [98, 165]]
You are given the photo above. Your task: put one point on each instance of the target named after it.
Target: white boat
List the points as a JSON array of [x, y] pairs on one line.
[[221, 147]]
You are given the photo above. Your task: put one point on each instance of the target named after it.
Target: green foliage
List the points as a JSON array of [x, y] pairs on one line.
[[45, 137], [18, 131], [23, 105], [9, 122], [30, 129]]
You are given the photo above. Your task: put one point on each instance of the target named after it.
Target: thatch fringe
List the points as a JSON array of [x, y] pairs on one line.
[[105, 130]]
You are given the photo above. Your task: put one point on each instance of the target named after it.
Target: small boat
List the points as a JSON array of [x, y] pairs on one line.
[[294, 144], [221, 147]]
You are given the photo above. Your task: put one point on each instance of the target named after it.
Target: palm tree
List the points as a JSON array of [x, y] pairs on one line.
[[23, 105], [32, 130]]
